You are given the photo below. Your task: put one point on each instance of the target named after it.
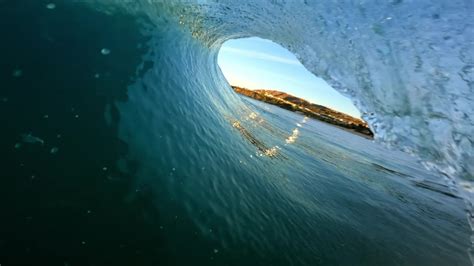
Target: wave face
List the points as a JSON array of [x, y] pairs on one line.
[[126, 146], [407, 65]]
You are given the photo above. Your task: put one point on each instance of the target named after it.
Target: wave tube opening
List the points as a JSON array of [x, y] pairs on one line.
[[259, 64]]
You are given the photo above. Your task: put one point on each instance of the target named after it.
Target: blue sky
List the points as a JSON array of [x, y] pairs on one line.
[[256, 63]]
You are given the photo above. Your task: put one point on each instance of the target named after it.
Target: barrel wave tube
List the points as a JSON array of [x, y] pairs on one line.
[[407, 65], [125, 144]]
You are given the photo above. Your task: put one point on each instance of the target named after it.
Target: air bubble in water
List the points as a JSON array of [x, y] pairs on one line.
[[51, 6], [105, 51], [17, 73]]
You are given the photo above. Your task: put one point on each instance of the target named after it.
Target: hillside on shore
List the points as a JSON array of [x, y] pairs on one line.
[[319, 112]]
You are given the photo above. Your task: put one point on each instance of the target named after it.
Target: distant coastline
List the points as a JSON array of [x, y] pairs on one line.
[[319, 112]]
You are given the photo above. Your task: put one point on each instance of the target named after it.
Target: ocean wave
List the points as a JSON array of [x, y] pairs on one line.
[[414, 92], [407, 66]]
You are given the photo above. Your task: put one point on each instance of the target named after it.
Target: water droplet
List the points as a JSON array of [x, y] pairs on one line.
[[17, 73], [104, 168], [46, 116], [54, 150], [51, 6], [216, 250], [83, 242], [76, 116], [174, 169], [97, 76], [17, 145], [105, 51]]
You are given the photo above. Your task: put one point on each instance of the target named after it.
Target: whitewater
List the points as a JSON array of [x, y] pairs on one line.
[[124, 144]]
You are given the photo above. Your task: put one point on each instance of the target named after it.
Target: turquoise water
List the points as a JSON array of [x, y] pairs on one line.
[[122, 144]]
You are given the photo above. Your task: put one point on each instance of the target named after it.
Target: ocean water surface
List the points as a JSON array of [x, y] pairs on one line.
[[123, 144]]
